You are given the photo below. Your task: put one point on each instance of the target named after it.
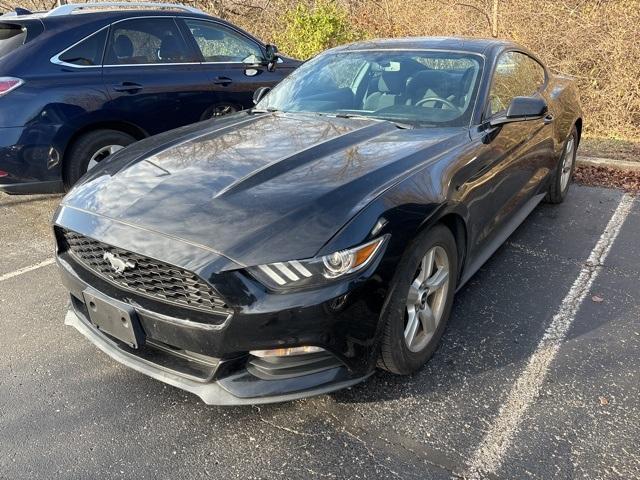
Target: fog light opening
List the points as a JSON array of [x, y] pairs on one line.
[[286, 352]]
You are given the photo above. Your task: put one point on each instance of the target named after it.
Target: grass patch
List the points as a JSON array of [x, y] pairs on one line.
[[610, 148]]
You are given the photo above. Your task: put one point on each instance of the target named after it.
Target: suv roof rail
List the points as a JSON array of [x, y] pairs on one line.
[[70, 8]]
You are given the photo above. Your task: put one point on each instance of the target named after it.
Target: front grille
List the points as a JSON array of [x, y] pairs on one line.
[[143, 275]]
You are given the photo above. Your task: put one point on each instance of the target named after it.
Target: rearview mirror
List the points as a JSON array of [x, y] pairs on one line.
[[522, 109], [271, 56], [259, 94]]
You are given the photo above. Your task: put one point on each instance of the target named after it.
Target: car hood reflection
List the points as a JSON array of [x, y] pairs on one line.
[[258, 187]]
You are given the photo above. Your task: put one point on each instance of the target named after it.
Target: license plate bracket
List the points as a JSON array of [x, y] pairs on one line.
[[114, 318]]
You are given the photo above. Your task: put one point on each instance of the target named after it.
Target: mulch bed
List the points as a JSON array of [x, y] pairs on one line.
[[608, 177]]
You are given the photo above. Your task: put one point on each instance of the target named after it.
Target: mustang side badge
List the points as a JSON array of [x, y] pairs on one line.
[[117, 264]]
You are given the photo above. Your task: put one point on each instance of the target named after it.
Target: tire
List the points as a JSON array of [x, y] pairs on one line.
[[93, 144], [560, 185], [396, 354], [219, 110]]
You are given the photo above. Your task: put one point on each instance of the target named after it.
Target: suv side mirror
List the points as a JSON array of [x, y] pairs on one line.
[[271, 56], [522, 109], [259, 94]]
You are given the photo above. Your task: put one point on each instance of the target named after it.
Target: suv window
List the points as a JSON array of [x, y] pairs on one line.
[[220, 44], [147, 41], [12, 36], [516, 75], [88, 52]]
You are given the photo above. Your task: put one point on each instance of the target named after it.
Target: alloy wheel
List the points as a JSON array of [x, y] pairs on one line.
[[567, 164], [103, 153], [426, 299]]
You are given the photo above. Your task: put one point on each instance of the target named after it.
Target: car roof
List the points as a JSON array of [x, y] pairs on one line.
[[107, 15], [472, 45]]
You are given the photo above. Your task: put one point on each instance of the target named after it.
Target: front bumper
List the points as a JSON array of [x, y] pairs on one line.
[[219, 392], [208, 355]]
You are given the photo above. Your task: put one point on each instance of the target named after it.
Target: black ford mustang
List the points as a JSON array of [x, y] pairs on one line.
[[289, 250]]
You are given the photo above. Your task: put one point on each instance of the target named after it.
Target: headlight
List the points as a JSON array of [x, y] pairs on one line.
[[319, 270]]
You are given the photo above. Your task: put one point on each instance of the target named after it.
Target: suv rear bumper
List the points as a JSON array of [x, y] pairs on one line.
[[28, 188], [30, 160]]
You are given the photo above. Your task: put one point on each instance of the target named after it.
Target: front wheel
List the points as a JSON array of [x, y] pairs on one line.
[[219, 110], [420, 302], [564, 172]]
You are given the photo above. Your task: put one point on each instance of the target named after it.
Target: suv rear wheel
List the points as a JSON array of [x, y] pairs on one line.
[[89, 150]]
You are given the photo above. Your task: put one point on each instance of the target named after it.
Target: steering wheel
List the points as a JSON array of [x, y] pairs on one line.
[[443, 101]]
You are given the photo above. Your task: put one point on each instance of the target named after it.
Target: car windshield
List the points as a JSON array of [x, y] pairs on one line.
[[420, 88]]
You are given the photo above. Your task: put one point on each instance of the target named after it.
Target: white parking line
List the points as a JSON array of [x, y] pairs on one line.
[[30, 268], [489, 455]]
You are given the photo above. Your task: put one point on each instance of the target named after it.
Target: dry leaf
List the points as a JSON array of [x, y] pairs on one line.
[[597, 299], [604, 400]]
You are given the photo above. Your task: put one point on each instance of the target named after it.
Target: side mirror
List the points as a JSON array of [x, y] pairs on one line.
[[522, 109], [259, 94], [271, 56]]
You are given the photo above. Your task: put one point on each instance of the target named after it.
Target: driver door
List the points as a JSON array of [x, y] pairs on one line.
[[233, 65], [507, 176]]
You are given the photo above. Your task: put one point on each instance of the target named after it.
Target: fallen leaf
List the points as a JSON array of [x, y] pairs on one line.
[[597, 299], [604, 400]]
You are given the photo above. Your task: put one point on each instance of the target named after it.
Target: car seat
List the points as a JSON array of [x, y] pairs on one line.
[[388, 91]]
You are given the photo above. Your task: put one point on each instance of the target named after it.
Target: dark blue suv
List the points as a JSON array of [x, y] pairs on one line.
[[85, 80]]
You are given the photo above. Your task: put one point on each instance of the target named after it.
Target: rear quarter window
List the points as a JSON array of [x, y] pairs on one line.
[[88, 52]]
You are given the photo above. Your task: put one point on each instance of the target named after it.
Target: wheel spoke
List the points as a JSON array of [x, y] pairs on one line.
[[414, 294], [412, 327], [438, 280], [426, 266], [428, 320]]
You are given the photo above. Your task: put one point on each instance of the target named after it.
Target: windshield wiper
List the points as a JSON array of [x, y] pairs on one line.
[[367, 117]]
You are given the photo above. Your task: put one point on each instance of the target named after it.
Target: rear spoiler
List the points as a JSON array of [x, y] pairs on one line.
[[18, 12]]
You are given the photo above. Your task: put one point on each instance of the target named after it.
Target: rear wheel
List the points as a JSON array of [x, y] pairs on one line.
[[420, 302], [564, 172], [89, 150]]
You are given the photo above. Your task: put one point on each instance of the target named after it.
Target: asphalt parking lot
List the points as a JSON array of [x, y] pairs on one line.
[[537, 376]]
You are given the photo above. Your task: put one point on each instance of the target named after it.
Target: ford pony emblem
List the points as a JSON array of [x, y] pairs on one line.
[[117, 264]]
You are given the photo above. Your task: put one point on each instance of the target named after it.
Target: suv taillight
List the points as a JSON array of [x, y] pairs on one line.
[[8, 84]]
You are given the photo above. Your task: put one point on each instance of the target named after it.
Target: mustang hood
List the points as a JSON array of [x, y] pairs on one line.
[[257, 188]]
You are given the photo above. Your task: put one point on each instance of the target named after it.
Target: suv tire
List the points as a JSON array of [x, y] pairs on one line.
[[96, 146]]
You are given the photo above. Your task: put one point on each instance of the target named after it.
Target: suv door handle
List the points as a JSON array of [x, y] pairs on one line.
[[129, 87], [548, 119], [224, 81]]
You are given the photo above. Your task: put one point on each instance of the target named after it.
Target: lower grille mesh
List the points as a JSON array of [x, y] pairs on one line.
[[143, 275]]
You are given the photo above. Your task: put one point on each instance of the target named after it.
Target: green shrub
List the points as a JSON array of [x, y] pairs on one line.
[[310, 29]]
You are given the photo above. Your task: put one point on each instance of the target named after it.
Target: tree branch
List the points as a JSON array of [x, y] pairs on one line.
[[477, 9]]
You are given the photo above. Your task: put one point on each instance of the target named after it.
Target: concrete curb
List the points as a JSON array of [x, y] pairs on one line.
[[608, 162]]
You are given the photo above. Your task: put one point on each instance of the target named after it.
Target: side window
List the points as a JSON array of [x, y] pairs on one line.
[[516, 75], [147, 41], [88, 52], [220, 44]]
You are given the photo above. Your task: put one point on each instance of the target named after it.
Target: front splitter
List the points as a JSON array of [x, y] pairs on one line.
[[211, 393]]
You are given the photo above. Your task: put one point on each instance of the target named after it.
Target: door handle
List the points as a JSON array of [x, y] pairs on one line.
[[129, 87], [224, 81], [548, 119]]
